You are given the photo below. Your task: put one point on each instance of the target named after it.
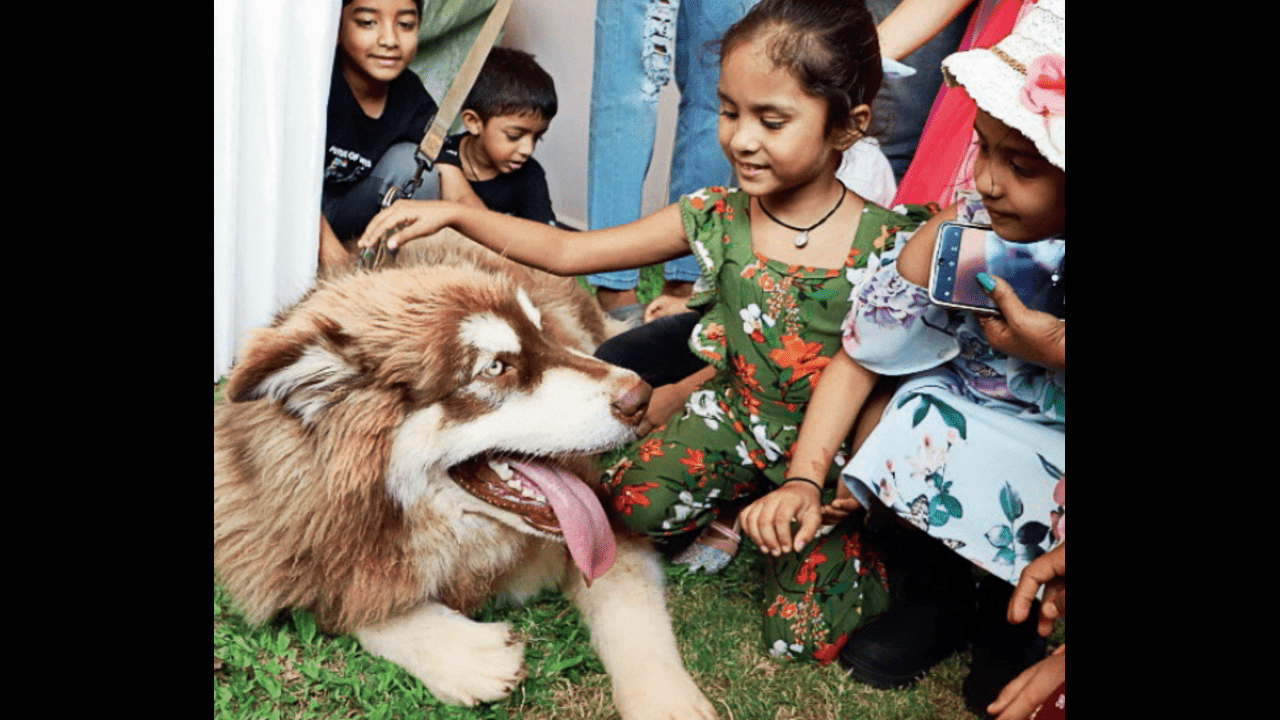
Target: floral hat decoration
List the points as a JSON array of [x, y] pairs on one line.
[[1022, 80]]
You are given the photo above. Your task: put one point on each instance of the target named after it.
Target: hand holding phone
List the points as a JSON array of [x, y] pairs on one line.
[[1017, 331], [1035, 271]]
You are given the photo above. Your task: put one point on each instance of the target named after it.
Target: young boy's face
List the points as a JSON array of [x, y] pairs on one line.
[[378, 38], [507, 141]]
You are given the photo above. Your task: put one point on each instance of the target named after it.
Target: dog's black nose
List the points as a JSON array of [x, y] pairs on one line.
[[632, 402]]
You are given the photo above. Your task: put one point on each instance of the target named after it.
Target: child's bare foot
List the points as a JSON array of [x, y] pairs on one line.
[[671, 301]]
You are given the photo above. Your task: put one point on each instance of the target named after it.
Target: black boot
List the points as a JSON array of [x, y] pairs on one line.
[[1001, 651], [930, 615]]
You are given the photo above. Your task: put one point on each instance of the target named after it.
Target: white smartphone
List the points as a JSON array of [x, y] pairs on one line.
[[1037, 271]]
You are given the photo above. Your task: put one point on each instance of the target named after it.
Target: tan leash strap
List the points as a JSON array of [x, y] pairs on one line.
[[438, 129], [451, 104]]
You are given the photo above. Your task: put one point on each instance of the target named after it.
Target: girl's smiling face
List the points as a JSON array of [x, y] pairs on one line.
[[1024, 193], [378, 38], [772, 131]]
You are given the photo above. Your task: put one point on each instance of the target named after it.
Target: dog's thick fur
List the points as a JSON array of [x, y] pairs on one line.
[[350, 430]]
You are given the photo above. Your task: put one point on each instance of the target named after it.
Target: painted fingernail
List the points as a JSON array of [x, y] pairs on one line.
[[986, 281]]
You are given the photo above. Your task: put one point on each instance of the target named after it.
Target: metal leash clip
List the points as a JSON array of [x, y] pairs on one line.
[[396, 192], [379, 255]]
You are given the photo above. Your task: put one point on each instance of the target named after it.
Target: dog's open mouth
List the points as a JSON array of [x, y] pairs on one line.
[[549, 499]]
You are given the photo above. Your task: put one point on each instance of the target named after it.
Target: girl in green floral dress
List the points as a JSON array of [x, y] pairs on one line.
[[779, 258]]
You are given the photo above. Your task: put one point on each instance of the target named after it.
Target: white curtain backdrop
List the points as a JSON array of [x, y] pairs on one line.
[[271, 67]]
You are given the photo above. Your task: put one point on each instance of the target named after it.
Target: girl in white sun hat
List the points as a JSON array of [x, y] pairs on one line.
[[971, 446]]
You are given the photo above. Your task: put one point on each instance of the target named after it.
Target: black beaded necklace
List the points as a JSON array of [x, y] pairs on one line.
[[462, 153], [803, 238]]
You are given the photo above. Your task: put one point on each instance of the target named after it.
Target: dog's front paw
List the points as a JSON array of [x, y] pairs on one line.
[[484, 665], [665, 696], [462, 662]]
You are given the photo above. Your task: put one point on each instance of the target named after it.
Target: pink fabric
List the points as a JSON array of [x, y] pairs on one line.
[[943, 161], [1045, 92]]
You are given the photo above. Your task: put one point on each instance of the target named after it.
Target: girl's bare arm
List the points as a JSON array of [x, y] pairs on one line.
[[832, 410], [913, 261], [651, 239], [913, 23], [454, 186]]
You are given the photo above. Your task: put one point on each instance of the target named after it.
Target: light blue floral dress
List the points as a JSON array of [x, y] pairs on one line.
[[972, 447]]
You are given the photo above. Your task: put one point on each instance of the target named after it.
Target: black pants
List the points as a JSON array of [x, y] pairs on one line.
[[657, 351]]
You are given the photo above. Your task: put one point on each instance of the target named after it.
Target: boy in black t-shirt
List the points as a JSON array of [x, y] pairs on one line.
[[376, 118], [491, 164]]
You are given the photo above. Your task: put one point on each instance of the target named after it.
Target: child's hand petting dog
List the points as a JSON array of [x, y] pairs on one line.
[[405, 220]]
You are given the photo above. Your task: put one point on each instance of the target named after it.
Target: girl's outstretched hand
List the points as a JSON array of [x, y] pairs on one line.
[[1020, 332], [1029, 690], [767, 521], [405, 220], [1050, 570], [1032, 688]]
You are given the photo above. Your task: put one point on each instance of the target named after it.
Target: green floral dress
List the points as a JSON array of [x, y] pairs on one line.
[[770, 329]]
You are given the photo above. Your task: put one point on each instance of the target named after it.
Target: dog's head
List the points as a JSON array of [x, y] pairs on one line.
[[406, 377]]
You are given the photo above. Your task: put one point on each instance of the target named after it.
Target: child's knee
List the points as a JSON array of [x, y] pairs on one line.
[[653, 510], [397, 163], [397, 168], [650, 504]]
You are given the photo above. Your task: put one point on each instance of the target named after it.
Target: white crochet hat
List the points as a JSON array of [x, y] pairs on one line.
[[1022, 80]]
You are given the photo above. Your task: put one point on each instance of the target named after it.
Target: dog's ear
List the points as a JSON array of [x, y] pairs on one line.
[[302, 373]]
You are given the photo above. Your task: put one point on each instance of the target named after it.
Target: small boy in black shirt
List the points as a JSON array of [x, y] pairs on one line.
[[491, 165]]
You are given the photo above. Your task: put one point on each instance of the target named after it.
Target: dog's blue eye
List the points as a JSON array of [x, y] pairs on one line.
[[494, 369]]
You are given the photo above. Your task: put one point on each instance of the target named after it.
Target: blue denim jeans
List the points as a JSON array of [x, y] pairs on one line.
[[635, 50], [901, 108]]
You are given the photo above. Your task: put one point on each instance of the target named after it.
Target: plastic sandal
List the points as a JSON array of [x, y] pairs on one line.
[[632, 315], [712, 550]]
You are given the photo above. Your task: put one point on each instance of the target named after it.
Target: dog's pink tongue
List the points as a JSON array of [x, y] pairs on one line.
[[586, 529]]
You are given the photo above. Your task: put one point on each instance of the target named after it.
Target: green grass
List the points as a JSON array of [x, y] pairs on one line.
[[647, 289], [288, 669]]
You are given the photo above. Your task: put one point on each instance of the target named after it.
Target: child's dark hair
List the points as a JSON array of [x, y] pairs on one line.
[[829, 46], [417, 2], [511, 83]]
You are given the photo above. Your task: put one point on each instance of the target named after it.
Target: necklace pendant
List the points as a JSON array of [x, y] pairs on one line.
[[802, 239]]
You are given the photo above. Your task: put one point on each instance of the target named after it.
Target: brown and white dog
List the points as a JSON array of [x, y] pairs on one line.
[[402, 445]]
